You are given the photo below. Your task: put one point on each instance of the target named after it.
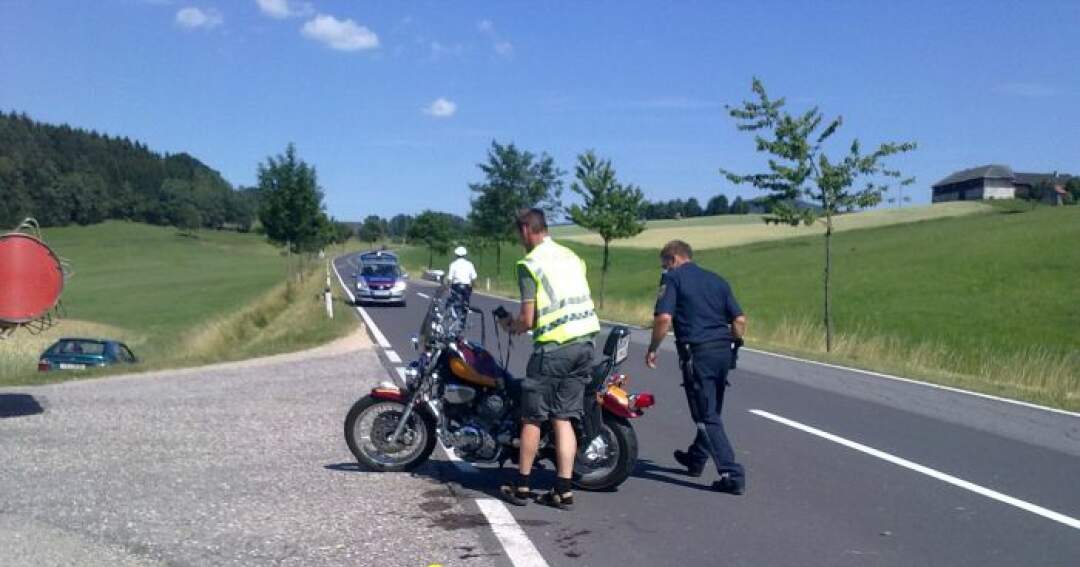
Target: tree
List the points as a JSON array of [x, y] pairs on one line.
[[188, 219], [291, 211], [692, 208], [800, 167], [718, 205], [514, 179], [372, 229], [1073, 188], [398, 227], [610, 208], [739, 207], [435, 230]]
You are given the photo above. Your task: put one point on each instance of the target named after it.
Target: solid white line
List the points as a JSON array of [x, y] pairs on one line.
[[515, 541], [992, 494], [375, 332], [510, 534], [918, 382], [393, 356]]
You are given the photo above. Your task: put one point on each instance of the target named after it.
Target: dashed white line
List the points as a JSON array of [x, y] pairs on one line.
[[424, 295], [401, 375], [515, 541], [958, 482], [393, 356]]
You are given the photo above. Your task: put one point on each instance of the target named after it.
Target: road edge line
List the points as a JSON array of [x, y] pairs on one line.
[[923, 469]]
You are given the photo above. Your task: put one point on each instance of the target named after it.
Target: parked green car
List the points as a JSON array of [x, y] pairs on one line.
[[80, 354]]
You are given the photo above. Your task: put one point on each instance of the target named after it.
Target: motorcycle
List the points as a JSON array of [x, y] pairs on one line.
[[457, 392]]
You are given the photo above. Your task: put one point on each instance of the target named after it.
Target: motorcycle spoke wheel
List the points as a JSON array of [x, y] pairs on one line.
[[375, 428]]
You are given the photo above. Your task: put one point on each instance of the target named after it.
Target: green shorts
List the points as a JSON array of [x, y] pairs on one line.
[[555, 380]]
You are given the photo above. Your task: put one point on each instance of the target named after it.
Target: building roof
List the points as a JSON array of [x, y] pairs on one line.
[[1034, 179], [992, 171]]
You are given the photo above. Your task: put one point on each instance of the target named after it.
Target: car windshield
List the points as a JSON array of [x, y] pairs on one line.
[[380, 270], [79, 347]]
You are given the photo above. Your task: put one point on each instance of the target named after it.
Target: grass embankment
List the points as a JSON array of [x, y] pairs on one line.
[[734, 230], [177, 300], [988, 302]]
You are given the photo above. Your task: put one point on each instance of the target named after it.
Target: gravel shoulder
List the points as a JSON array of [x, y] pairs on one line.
[[233, 464]]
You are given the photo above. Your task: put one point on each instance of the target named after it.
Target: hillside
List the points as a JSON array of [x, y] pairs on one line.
[[175, 299], [983, 301], [63, 175], [734, 230]]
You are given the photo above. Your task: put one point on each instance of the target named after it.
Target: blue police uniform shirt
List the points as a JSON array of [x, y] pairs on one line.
[[700, 303]]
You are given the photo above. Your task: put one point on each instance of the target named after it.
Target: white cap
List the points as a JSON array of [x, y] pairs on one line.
[[460, 251]]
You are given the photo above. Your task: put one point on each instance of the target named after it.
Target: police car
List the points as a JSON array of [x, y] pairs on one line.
[[380, 279]]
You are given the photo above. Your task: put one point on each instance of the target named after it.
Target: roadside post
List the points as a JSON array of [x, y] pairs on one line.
[[329, 297]]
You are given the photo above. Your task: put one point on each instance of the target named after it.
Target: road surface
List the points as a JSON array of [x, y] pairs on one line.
[[844, 468]]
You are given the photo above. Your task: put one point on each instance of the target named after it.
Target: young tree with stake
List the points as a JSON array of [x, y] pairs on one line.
[[610, 208], [800, 167]]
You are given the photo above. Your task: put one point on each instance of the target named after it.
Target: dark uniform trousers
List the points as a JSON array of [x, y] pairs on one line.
[[705, 368]]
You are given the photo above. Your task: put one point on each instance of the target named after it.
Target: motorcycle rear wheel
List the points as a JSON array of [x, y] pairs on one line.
[[369, 426], [620, 461]]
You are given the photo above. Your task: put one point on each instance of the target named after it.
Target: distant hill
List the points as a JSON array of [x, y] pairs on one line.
[[63, 175]]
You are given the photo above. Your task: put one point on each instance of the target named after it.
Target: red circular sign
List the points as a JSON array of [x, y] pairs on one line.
[[31, 278]]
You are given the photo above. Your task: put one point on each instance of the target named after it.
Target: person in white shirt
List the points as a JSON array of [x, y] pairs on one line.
[[461, 274]]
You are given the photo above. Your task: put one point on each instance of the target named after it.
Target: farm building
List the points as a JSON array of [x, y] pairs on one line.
[[996, 182]]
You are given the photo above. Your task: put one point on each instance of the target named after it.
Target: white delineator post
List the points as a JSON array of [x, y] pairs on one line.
[[329, 297], [487, 284]]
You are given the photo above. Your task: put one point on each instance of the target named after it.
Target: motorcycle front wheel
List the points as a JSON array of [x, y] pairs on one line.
[[604, 466], [369, 427]]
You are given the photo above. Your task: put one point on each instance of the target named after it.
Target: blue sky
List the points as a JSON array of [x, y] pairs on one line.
[[394, 103]]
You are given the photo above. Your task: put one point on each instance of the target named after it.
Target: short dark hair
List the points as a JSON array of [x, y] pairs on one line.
[[532, 219], [677, 248]]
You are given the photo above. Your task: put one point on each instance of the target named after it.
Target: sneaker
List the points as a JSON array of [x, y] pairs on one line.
[[692, 468], [730, 485]]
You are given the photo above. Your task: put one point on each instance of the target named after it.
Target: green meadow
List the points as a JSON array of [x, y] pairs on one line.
[[989, 302], [177, 299]]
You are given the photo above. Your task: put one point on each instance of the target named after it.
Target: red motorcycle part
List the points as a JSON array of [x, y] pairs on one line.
[[388, 394]]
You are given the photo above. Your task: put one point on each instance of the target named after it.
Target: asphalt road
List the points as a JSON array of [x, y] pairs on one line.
[[240, 464], [844, 468]]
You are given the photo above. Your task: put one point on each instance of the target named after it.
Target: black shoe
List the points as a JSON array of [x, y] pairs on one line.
[[692, 468], [730, 485], [564, 501], [516, 495]]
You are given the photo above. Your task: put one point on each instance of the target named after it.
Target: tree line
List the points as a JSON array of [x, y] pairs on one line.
[[62, 175]]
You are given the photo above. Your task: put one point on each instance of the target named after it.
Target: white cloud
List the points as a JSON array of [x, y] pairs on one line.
[[501, 46], [343, 35], [194, 18], [441, 108], [282, 9], [504, 48]]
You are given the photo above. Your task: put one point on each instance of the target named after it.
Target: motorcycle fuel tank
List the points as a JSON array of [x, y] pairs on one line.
[[458, 394]]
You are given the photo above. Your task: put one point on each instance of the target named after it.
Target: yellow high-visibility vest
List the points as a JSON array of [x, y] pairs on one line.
[[564, 306]]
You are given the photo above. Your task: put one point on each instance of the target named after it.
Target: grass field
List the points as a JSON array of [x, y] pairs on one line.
[[989, 302], [176, 300], [734, 230]]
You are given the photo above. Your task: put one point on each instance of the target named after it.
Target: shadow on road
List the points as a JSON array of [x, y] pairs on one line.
[[18, 405], [648, 470]]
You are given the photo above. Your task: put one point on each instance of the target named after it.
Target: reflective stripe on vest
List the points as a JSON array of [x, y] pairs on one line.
[[564, 306]]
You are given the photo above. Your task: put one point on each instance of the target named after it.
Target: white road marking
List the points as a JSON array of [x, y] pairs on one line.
[[424, 295], [515, 541], [393, 356], [958, 482], [375, 332], [401, 375], [918, 382]]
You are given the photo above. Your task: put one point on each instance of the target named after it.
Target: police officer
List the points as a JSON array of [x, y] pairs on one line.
[[557, 306], [461, 274], [707, 322]]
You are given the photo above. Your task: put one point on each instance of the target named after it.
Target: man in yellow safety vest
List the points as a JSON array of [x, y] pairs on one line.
[[557, 307]]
